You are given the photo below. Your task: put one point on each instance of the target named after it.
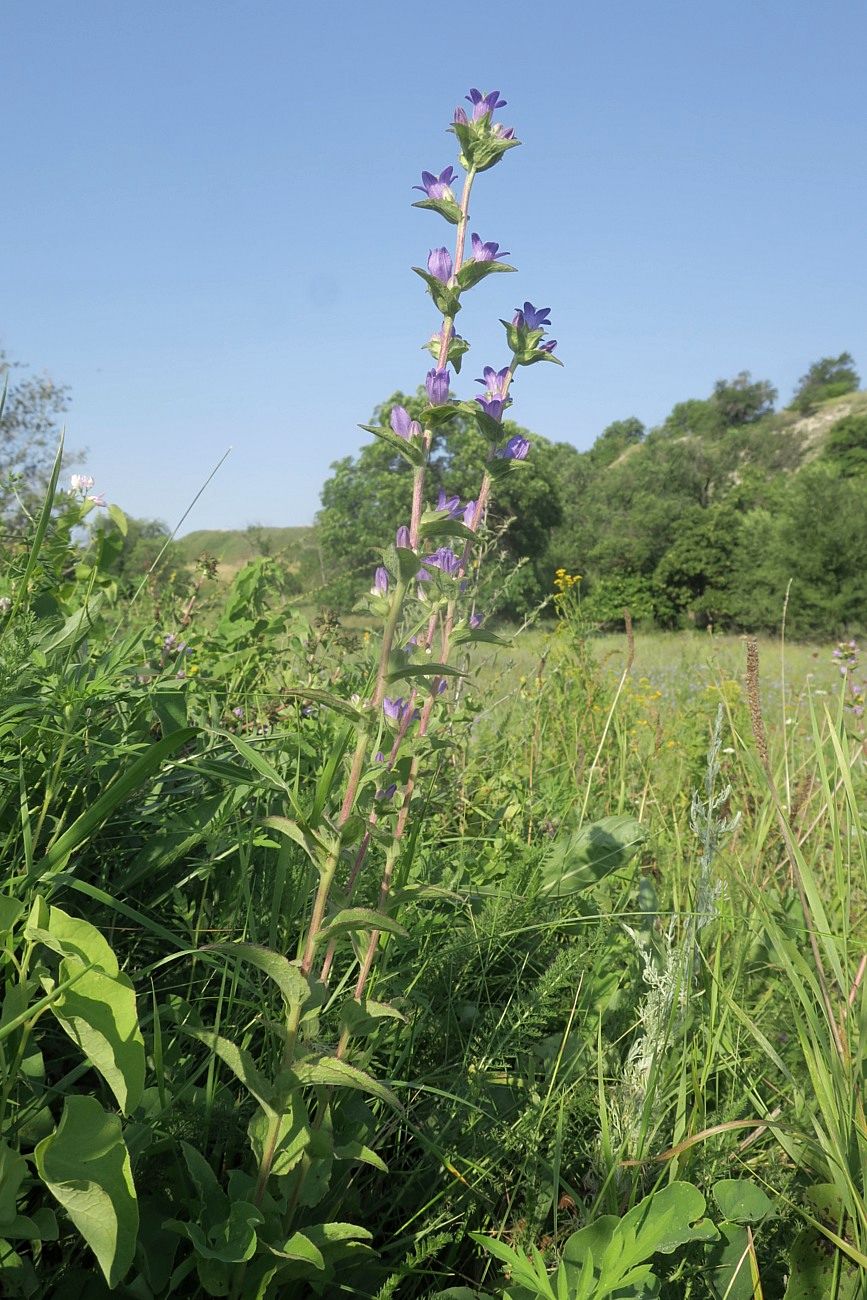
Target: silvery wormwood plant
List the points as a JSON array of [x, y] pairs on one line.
[[419, 594]]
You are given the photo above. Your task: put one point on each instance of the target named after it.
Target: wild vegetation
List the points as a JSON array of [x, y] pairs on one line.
[[402, 957]]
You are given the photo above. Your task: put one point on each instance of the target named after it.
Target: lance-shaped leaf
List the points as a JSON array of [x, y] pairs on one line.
[[86, 1167], [445, 207], [468, 634], [240, 1062], [457, 347], [286, 974], [98, 1012], [325, 698], [472, 272], [446, 299], [359, 918], [331, 1072], [312, 844], [409, 448], [286, 1137], [424, 670]]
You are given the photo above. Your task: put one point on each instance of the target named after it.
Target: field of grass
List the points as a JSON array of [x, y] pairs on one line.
[[567, 1001]]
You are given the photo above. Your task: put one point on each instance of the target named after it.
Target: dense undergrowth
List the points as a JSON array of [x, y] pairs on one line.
[[577, 1019]]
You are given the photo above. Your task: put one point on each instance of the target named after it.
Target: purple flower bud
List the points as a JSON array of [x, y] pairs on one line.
[[437, 187], [515, 449], [452, 504], [492, 406], [170, 641], [549, 346], [238, 712], [440, 265], [388, 793], [476, 620], [484, 104], [461, 116], [402, 538], [485, 252], [530, 317], [437, 385], [445, 559], [380, 582], [441, 685], [496, 381], [402, 425], [503, 132], [393, 708], [470, 514]]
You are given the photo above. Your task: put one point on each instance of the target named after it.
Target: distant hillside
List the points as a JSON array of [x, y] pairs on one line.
[[234, 547]]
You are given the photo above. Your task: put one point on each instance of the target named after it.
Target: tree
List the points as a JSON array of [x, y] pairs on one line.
[[29, 431], [743, 400], [828, 377], [615, 439], [846, 445]]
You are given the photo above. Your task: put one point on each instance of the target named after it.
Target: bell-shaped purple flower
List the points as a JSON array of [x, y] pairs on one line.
[[503, 132], [438, 187], [451, 504], [476, 620], [380, 582], [402, 425], [461, 116], [444, 559], [393, 709], [402, 538], [440, 264], [492, 406], [437, 385], [496, 381], [533, 318], [388, 793], [485, 252], [470, 514], [484, 104], [515, 449]]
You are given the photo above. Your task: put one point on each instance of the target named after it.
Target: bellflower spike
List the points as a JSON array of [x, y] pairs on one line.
[[380, 582], [402, 425], [533, 318], [452, 504], [484, 104], [437, 385], [496, 381], [486, 252], [438, 187], [515, 449], [440, 264], [401, 539]]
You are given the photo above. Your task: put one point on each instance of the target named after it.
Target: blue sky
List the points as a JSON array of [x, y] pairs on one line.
[[206, 227]]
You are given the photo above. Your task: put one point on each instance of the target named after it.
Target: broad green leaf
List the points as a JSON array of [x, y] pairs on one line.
[[729, 1269], [742, 1201], [334, 1073], [408, 448], [99, 1013], [287, 1136], [316, 850], [301, 1248], [424, 670], [445, 207], [13, 1171], [359, 918], [11, 910], [591, 853], [119, 519], [286, 974], [86, 1167], [472, 272], [70, 936], [446, 299], [74, 629], [358, 1151], [813, 1271], [231, 1242]]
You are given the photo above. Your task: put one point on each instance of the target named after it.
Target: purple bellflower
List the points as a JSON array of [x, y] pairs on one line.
[[533, 318], [397, 710], [438, 187], [515, 449], [549, 346], [445, 559], [440, 264], [484, 104], [476, 620], [452, 504], [401, 538], [402, 425], [470, 514], [486, 252], [437, 385], [388, 793], [496, 381], [380, 582], [492, 406]]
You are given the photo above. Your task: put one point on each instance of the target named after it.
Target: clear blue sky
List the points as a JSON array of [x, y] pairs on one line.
[[206, 227]]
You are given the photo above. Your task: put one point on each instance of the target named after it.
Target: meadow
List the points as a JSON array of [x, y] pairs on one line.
[[415, 954]]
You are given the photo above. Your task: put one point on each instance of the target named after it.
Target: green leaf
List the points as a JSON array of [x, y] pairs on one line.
[[457, 347], [472, 272], [302, 1249], [361, 1017], [231, 1242], [313, 846], [409, 448], [86, 1167], [813, 1271], [102, 807], [446, 299], [11, 910], [470, 634], [359, 918], [728, 1264], [424, 670], [742, 1201], [334, 1073], [119, 520], [13, 1171], [240, 1062], [445, 207], [325, 698], [74, 629], [288, 1136], [98, 1012], [286, 974], [358, 1151], [70, 936], [170, 705], [590, 853]]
